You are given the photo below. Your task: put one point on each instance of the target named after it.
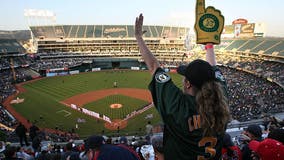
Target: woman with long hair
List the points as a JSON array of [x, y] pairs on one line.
[[195, 118]]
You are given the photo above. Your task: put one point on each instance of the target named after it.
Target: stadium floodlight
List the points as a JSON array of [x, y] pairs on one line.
[[38, 13], [39, 16]]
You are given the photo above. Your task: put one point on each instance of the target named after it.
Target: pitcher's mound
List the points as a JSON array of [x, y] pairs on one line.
[[115, 106], [115, 124]]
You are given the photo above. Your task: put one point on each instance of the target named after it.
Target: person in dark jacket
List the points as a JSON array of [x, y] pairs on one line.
[[21, 133], [33, 131], [254, 132]]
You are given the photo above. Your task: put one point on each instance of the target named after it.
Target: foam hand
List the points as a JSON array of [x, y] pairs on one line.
[[209, 24]]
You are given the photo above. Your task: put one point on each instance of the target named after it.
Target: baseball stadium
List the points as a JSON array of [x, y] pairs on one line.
[[73, 81], [96, 67]]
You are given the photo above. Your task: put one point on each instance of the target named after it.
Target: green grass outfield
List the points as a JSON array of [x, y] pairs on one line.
[[43, 96]]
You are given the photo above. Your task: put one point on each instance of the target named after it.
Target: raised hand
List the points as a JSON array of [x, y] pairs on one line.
[[209, 24], [138, 26]]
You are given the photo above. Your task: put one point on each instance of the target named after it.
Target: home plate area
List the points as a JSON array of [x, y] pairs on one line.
[[116, 124]]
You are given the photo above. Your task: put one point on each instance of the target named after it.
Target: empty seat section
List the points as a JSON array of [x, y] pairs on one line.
[[154, 31], [159, 30], [98, 31], [264, 46], [81, 32], [90, 31], [49, 31], [67, 30], [148, 33], [250, 44], [166, 32], [73, 32], [130, 29], [235, 44], [276, 48]]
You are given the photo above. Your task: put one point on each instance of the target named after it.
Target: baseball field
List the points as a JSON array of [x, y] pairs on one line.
[[114, 93]]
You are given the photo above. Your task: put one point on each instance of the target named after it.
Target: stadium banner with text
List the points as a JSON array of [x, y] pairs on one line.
[[56, 72], [135, 68], [228, 31], [259, 29], [74, 72], [247, 30], [114, 31], [96, 69]]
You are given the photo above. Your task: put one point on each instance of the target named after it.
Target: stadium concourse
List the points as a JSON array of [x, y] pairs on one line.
[[253, 67]]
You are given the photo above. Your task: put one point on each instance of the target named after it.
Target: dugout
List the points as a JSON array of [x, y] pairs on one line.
[[116, 63]]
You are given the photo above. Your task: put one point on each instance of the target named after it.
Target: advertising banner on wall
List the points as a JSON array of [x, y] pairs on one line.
[[228, 31], [247, 30], [259, 29], [237, 30], [74, 72]]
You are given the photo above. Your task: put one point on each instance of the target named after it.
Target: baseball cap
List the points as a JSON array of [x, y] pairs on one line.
[[123, 140], [117, 152], [93, 142], [157, 143], [197, 72], [268, 149], [255, 130]]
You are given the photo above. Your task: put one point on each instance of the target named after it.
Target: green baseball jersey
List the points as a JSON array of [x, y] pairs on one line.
[[183, 136]]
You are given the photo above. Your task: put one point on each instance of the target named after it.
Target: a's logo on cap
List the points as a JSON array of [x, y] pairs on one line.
[[219, 76], [162, 77]]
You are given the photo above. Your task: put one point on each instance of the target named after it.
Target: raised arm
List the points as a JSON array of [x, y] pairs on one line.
[[210, 54], [150, 60]]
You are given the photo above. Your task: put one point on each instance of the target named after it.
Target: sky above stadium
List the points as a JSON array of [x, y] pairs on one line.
[[156, 12]]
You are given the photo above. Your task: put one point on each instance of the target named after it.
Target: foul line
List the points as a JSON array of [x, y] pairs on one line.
[[67, 113]]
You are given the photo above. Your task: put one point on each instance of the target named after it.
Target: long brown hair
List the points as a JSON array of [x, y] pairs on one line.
[[213, 108]]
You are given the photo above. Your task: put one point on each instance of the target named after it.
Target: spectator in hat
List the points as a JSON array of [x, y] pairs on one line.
[[230, 151], [69, 152], [254, 132], [157, 143], [113, 152], [192, 114], [96, 149], [92, 146], [45, 153], [10, 153], [268, 149], [123, 140]]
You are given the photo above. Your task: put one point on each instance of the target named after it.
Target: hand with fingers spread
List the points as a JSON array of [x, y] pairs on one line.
[[209, 24], [150, 60], [138, 27]]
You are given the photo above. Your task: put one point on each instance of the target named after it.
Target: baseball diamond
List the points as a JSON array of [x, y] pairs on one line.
[[52, 96]]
